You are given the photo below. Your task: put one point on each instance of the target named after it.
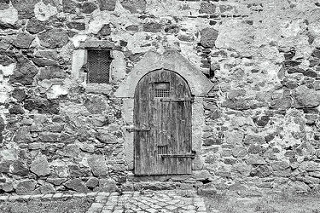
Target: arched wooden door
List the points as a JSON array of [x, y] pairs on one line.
[[162, 119]]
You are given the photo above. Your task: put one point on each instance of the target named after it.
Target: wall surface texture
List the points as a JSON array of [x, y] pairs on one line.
[[261, 126]]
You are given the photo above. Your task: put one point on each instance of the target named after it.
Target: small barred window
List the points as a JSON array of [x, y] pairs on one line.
[[98, 66], [162, 89]]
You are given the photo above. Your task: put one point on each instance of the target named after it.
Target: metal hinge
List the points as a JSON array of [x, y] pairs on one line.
[[176, 99], [178, 155], [136, 129]]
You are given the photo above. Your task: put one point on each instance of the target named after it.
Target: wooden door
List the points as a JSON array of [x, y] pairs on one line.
[[162, 119]]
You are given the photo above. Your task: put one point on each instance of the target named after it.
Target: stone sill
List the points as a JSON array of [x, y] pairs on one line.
[[98, 88]]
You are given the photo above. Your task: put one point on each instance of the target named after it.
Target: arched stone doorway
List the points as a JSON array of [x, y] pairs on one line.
[[199, 87], [162, 124]]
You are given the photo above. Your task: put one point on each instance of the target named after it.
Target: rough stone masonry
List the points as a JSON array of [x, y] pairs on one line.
[[261, 127]]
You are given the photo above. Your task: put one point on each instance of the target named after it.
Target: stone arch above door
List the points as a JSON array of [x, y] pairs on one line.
[[170, 60], [199, 87]]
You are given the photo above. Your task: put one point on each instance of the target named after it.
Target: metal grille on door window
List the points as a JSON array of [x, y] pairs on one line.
[[99, 66], [162, 89], [162, 149]]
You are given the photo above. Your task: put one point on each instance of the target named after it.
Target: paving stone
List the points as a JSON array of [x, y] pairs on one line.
[[149, 201], [96, 206]]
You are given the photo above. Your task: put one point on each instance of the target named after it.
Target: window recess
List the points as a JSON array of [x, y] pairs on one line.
[[98, 65]]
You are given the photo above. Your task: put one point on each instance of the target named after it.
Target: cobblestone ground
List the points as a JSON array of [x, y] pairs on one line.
[[148, 201]]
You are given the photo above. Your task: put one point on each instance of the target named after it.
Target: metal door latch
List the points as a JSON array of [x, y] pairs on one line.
[[137, 129]]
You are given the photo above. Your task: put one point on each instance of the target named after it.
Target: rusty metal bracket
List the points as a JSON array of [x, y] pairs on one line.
[[178, 155], [176, 99], [135, 129]]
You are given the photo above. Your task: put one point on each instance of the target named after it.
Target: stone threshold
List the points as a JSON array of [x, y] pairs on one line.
[[55, 196]]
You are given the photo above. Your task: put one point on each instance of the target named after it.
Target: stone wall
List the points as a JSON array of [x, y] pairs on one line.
[[261, 126]]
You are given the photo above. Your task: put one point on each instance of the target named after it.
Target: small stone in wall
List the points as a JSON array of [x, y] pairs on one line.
[[261, 121], [40, 166], [24, 73], [92, 183], [7, 187], [134, 6], [241, 104], [35, 26], [5, 166], [44, 11], [25, 8], [4, 26], [106, 137], [43, 62], [88, 7], [279, 165], [51, 72], [233, 94], [207, 7], [76, 25], [212, 141], [42, 105], [255, 149], [239, 151], [109, 5], [54, 38], [69, 6], [208, 37], [47, 189], [152, 27], [306, 97], [76, 185], [134, 28], [105, 30], [19, 168], [261, 171], [4, 59], [2, 124], [253, 139], [4, 4], [56, 181], [19, 94], [230, 161], [255, 159], [281, 104], [186, 37], [16, 109], [224, 8], [95, 105], [210, 159], [316, 53], [25, 187], [234, 137], [22, 135], [98, 166], [311, 180]]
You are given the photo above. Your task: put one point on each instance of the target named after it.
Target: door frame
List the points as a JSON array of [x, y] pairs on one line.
[[199, 86], [164, 161]]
